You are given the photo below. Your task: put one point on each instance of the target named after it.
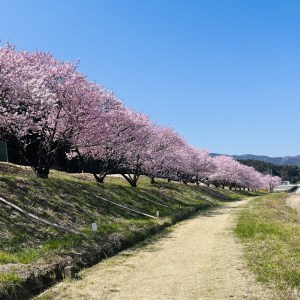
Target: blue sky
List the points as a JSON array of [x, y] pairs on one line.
[[225, 73]]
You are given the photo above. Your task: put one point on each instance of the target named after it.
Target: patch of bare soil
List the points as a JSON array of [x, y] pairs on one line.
[[199, 259]]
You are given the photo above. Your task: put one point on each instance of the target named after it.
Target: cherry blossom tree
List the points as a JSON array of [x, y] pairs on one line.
[[225, 171], [229, 172], [162, 157], [43, 102], [46, 104], [120, 141], [138, 149], [102, 147], [201, 164], [268, 182]]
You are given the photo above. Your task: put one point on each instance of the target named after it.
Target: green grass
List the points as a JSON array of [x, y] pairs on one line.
[[9, 284], [270, 231], [9, 277], [71, 201]]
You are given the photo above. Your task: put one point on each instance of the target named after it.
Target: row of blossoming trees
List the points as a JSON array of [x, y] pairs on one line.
[[46, 104]]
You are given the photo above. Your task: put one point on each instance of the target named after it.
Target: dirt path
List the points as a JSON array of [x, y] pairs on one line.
[[294, 202], [199, 259]]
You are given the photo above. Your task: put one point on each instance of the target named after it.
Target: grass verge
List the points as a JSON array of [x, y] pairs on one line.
[[270, 231], [33, 250]]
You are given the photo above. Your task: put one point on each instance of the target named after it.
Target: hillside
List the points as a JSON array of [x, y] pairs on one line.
[[33, 254], [284, 160]]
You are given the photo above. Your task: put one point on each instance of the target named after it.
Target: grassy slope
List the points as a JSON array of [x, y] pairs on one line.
[[270, 231], [71, 201]]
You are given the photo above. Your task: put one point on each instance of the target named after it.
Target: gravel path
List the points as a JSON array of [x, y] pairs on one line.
[[199, 259], [294, 202]]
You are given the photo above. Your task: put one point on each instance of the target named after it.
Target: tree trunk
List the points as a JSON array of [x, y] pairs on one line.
[[43, 166], [42, 171], [99, 179], [133, 183], [152, 179], [130, 180]]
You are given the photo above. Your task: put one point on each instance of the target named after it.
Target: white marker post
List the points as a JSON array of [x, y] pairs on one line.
[[157, 214], [94, 227]]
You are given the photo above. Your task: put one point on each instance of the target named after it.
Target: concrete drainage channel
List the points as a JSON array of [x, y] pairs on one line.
[[36, 279]]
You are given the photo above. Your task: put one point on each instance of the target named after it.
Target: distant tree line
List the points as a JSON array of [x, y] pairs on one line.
[[286, 172]]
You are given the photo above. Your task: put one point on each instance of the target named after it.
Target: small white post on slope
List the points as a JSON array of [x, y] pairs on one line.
[[157, 214], [94, 227]]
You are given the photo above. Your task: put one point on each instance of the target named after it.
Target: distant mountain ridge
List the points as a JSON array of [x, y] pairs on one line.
[[285, 160]]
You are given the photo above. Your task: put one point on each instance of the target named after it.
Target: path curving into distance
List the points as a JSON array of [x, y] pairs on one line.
[[199, 259], [294, 201]]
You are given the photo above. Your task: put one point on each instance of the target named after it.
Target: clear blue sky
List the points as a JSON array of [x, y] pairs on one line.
[[225, 73]]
